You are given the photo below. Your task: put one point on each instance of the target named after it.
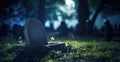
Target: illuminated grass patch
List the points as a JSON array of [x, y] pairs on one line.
[[88, 51], [76, 51]]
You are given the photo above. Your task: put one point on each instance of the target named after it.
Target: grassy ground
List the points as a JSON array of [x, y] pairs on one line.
[[78, 50]]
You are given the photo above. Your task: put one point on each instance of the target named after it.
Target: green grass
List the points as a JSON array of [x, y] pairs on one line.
[[77, 51], [86, 51], [5, 54]]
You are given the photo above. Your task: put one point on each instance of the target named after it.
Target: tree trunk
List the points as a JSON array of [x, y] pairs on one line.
[[83, 15], [41, 11], [100, 7]]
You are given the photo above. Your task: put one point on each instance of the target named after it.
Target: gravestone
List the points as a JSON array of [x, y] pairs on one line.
[[38, 46], [35, 33], [108, 29]]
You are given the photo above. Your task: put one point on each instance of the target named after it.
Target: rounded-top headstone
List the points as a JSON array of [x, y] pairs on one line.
[[35, 32]]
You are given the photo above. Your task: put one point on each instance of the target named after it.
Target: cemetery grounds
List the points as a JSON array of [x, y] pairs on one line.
[[78, 49]]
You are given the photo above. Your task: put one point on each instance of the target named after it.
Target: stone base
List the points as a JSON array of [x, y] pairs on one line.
[[56, 46], [27, 53]]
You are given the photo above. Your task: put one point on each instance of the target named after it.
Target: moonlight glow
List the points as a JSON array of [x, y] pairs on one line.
[[69, 10]]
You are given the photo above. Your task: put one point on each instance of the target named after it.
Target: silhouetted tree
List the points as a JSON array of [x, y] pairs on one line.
[[51, 29], [22, 9], [17, 31], [41, 11], [89, 27], [95, 29], [106, 7], [0, 31], [108, 30], [102, 29], [63, 30], [119, 27], [97, 11], [115, 27], [83, 15], [4, 29]]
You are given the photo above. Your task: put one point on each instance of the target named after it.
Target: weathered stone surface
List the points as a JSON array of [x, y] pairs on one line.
[[34, 32]]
